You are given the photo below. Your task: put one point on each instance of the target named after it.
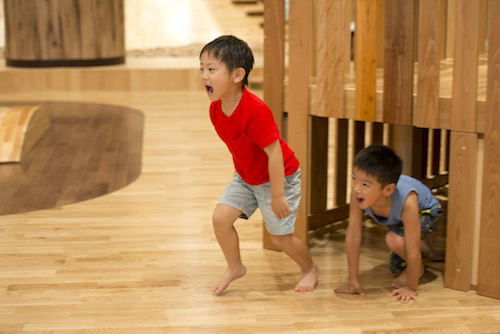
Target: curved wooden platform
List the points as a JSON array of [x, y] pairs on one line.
[[90, 150], [20, 129]]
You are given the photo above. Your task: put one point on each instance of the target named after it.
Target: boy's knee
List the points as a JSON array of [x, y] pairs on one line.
[[392, 238], [280, 240]]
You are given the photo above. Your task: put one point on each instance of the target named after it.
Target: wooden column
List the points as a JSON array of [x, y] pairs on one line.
[[64, 33], [332, 60], [274, 71], [365, 58], [489, 245], [427, 113], [398, 61], [461, 210], [465, 60], [298, 100]]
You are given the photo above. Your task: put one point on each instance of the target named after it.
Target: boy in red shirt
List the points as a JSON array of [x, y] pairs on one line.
[[267, 171]]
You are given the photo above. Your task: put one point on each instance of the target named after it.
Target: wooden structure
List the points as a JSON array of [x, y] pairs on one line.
[[64, 33], [20, 129], [420, 80]]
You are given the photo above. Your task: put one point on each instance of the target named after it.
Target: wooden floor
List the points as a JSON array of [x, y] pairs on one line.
[[89, 150], [143, 259]]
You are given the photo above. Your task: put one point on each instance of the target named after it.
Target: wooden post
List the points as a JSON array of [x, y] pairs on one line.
[[298, 100], [489, 247], [399, 62], [461, 210], [274, 71], [365, 58]]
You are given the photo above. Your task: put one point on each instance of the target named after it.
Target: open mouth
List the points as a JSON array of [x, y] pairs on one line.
[[360, 200], [209, 89]]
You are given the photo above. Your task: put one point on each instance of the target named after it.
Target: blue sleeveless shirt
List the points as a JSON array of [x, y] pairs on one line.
[[426, 201]]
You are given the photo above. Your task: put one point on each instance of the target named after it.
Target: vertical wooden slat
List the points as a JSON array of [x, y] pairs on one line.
[[450, 28], [489, 251], [359, 136], [436, 152], [426, 115], [483, 26], [464, 96], [461, 210], [274, 73], [419, 153], [298, 100], [378, 133], [398, 61], [331, 57], [319, 163], [365, 55], [342, 162]]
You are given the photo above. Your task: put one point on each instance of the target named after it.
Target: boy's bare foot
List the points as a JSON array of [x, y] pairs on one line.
[[429, 253], [400, 281], [230, 275], [308, 281]]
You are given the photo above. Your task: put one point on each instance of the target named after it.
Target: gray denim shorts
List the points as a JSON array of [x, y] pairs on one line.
[[247, 198]]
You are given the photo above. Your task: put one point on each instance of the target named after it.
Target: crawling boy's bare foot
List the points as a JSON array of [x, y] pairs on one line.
[[230, 275], [400, 281], [308, 281]]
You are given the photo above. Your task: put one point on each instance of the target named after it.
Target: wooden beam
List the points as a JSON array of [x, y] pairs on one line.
[[298, 100], [427, 105], [331, 58], [365, 58], [465, 62], [461, 210], [398, 61], [489, 251]]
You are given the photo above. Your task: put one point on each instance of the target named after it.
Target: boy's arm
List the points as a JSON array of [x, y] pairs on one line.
[[352, 246], [277, 178], [411, 222]]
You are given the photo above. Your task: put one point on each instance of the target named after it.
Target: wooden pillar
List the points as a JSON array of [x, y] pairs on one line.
[[365, 58], [298, 100], [461, 211], [399, 62], [274, 71], [64, 33], [489, 247]]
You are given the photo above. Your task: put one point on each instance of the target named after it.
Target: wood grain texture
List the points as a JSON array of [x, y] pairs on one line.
[[365, 58], [64, 30], [399, 62], [465, 60], [489, 251], [298, 100], [461, 210], [274, 59], [331, 55], [124, 262], [90, 150], [427, 104], [20, 130]]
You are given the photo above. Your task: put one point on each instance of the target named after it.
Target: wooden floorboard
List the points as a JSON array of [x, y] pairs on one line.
[[143, 259], [76, 159]]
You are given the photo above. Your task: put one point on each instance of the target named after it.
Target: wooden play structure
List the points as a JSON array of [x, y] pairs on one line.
[[21, 127], [422, 76]]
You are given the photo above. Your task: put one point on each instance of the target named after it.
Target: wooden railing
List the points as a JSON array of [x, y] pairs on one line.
[[422, 81]]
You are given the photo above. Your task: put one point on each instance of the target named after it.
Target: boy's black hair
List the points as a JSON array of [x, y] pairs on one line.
[[233, 52], [381, 162]]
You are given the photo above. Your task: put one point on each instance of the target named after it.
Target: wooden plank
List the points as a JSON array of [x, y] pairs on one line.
[[298, 100], [398, 62], [274, 74], [427, 111], [461, 210], [464, 96], [419, 153], [319, 164], [365, 58], [489, 251], [331, 58], [341, 162]]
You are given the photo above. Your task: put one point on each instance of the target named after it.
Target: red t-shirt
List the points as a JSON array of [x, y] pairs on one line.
[[249, 129]]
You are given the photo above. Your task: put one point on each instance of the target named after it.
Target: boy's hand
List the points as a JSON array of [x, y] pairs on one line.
[[280, 207], [404, 295], [351, 288]]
